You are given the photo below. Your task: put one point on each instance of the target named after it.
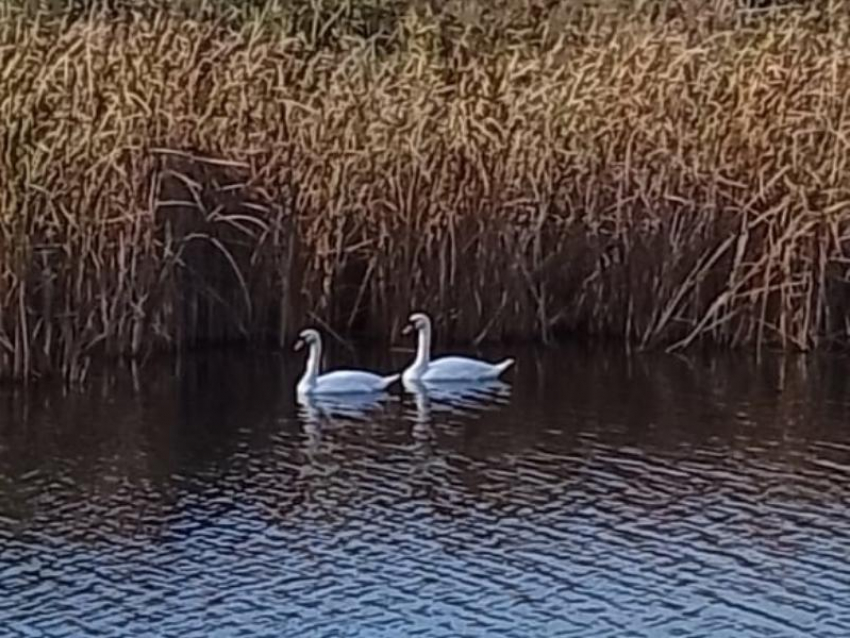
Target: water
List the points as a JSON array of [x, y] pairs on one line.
[[592, 495]]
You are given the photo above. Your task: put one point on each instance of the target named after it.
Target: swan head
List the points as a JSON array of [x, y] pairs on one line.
[[416, 321], [307, 337]]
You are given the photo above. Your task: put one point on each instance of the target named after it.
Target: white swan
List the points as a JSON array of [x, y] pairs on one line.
[[445, 368], [338, 381]]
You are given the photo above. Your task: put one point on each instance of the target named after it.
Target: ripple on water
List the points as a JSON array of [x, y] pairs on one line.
[[454, 513]]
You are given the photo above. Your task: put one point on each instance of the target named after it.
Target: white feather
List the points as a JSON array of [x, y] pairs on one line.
[[338, 381], [451, 368]]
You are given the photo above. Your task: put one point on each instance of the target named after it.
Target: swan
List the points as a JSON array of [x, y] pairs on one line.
[[444, 368], [338, 381]]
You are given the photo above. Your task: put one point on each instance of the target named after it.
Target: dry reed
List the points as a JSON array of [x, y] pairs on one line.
[[668, 174]]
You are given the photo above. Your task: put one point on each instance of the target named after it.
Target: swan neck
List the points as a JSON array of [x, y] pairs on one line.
[[312, 369], [423, 351]]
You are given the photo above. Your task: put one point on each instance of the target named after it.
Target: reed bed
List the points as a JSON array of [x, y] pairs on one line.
[[666, 173]]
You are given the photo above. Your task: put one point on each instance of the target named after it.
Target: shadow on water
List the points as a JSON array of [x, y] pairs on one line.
[[586, 493]]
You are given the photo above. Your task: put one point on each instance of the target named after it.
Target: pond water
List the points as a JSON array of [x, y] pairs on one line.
[[590, 494]]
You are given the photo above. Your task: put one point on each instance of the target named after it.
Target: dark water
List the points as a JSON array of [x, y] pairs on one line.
[[593, 495]]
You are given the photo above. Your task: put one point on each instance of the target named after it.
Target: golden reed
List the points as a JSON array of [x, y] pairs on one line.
[[667, 173]]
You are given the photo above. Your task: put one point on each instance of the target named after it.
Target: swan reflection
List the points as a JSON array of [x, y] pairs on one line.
[[457, 398], [319, 414], [445, 400], [314, 409]]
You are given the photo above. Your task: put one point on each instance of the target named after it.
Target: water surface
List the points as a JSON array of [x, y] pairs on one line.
[[591, 494]]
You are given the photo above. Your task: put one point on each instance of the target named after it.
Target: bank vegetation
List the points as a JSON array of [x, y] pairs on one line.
[[179, 174]]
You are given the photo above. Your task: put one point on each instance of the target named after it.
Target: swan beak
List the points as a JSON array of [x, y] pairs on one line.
[[298, 345], [407, 329]]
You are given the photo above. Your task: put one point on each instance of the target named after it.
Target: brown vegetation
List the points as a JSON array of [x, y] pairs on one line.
[[667, 174]]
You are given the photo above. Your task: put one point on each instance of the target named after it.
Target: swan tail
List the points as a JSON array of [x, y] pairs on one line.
[[504, 365], [388, 381]]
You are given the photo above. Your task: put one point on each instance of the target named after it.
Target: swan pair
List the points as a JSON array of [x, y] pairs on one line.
[[423, 369]]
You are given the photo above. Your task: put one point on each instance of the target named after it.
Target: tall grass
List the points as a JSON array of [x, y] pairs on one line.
[[666, 173]]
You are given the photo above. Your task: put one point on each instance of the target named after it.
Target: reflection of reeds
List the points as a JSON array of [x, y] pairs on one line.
[[177, 179]]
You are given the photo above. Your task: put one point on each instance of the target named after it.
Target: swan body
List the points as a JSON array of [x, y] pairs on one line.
[[450, 368], [338, 381], [453, 368]]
